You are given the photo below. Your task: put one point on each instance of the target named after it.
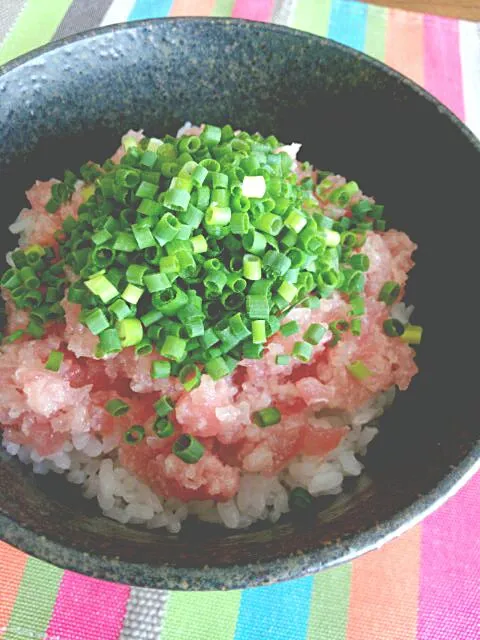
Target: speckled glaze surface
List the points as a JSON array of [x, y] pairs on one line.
[[65, 104]]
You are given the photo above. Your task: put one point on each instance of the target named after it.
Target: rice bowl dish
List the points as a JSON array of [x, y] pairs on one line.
[[231, 424]]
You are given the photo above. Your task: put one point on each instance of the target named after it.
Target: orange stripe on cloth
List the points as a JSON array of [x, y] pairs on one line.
[[12, 566], [189, 8], [404, 46], [384, 591]]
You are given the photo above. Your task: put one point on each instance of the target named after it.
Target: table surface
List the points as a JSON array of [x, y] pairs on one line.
[[466, 9]]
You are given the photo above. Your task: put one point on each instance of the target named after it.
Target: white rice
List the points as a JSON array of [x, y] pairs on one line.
[[90, 462]]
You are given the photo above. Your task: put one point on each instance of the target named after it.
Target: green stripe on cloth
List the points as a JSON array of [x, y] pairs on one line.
[[313, 16], [375, 37], [35, 601], [201, 616], [223, 8], [329, 604], [34, 27]]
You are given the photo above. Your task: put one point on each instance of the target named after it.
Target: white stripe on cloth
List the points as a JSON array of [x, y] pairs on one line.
[[470, 57], [283, 12], [145, 613], [118, 12], [9, 12]]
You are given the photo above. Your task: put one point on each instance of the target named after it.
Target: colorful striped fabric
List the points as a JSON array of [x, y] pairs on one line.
[[422, 586]]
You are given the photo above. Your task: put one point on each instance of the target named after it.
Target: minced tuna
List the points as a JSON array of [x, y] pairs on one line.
[[58, 419]]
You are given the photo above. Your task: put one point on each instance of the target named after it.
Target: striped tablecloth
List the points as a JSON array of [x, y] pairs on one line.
[[423, 586]]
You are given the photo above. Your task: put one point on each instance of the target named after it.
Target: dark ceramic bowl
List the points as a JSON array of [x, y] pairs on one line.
[[68, 103]]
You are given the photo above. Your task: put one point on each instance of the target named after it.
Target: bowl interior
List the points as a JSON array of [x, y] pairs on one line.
[[72, 104]]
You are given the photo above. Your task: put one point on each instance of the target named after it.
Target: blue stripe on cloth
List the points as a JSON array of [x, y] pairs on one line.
[[348, 23], [277, 612], [144, 9]]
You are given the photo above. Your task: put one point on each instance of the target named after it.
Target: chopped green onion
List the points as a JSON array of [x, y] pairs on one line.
[[188, 449], [15, 335], [283, 359], [357, 304], [166, 229], [269, 223], [189, 376], [258, 307], [144, 347], [252, 351], [109, 341], [254, 187], [163, 428], [169, 264], [287, 290], [258, 332], [302, 351], [35, 329], [217, 368], [163, 407], [252, 267], [54, 361], [102, 236], [389, 292], [332, 238], [156, 282], [236, 282], [314, 333], [312, 302], [254, 242], [177, 199], [125, 242], [132, 293], [215, 281], [339, 325], [173, 348], [361, 208], [143, 236], [199, 244], [160, 369], [393, 328], [412, 334], [239, 223], [148, 158], [295, 221], [289, 328], [299, 499], [360, 261], [238, 326], [272, 325], [130, 331], [359, 370], [267, 417], [211, 136], [117, 407], [102, 287], [96, 321], [120, 309], [356, 327], [134, 435], [146, 190]]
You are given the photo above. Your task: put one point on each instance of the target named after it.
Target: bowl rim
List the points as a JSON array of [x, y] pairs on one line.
[[284, 567]]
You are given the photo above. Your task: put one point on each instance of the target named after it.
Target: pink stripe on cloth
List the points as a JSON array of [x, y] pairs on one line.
[[254, 10], [450, 557], [88, 609], [443, 68]]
